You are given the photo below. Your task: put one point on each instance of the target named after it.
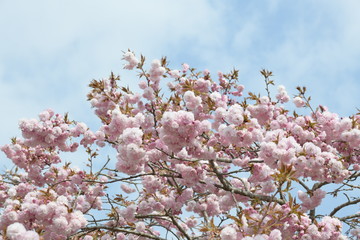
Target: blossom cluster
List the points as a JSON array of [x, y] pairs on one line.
[[201, 160]]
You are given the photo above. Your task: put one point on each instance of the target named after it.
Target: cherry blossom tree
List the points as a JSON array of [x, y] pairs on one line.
[[194, 158]]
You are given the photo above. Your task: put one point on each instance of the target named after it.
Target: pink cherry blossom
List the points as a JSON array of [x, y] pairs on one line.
[[188, 155], [131, 59], [299, 102]]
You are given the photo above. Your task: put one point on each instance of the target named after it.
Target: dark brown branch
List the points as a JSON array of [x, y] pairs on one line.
[[116, 229], [224, 160], [319, 185], [343, 205], [304, 185], [181, 229], [228, 187], [357, 215]]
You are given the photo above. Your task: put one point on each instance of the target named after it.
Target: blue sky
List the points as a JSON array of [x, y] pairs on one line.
[[50, 50]]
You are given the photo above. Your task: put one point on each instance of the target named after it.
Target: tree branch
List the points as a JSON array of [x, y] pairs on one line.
[[181, 229], [357, 215], [116, 229], [343, 205], [228, 187]]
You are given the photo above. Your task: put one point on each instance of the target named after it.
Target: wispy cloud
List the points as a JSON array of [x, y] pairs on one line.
[[50, 50]]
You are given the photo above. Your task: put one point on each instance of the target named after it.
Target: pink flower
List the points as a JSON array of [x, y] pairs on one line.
[[185, 67], [191, 222], [127, 189], [156, 71], [263, 111], [275, 235], [202, 85], [16, 231], [192, 102], [309, 203], [120, 236], [299, 102], [129, 212], [131, 59], [174, 73], [228, 233], [149, 93], [282, 95], [140, 227], [235, 114], [132, 135]]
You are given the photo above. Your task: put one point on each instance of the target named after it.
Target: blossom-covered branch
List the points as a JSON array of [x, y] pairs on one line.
[[194, 157]]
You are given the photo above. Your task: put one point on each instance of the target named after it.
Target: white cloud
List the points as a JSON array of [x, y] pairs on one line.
[[51, 50], [304, 43], [244, 37], [323, 54]]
